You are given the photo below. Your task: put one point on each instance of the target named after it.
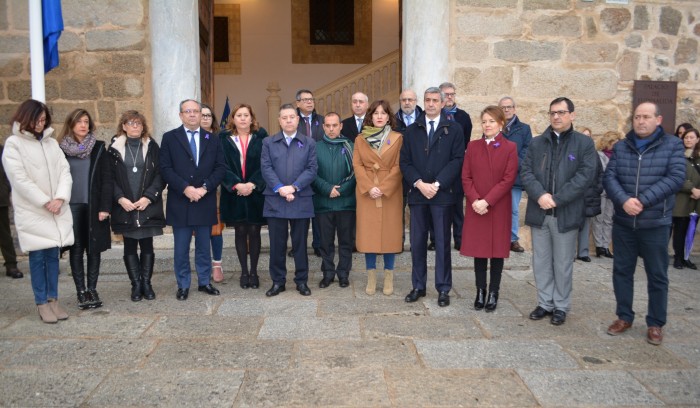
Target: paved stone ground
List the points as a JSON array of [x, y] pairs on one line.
[[342, 348]]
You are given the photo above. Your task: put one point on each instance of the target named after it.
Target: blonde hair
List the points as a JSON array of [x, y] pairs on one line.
[[608, 139]]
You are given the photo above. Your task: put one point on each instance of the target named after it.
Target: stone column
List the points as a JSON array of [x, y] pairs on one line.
[[174, 30], [274, 101], [426, 44]]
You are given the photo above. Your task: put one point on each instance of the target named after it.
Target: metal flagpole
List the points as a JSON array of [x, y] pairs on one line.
[[36, 50]]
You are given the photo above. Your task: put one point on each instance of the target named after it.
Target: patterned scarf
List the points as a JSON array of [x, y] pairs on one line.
[[375, 137], [450, 112], [346, 151], [80, 150]]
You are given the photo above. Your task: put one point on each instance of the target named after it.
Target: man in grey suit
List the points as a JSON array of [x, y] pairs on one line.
[[288, 165]]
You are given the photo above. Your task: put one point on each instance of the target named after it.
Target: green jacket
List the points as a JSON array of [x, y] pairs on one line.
[[684, 204], [332, 170]]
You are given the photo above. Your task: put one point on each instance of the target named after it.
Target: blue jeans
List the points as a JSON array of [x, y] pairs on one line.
[[217, 247], [652, 245], [202, 254], [371, 261], [516, 194], [43, 267]]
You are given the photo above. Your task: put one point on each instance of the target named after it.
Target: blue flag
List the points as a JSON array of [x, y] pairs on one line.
[[52, 26], [225, 115]]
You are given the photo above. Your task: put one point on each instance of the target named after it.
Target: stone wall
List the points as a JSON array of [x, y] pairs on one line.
[[591, 52], [104, 62]]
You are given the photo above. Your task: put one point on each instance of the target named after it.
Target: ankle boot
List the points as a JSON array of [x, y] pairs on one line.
[[57, 310], [253, 281], [147, 261], [93, 272], [480, 300], [244, 280], [46, 314], [388, 281], [371, 281], [492, 301], [83, 300], [77, 267], [133, 270]]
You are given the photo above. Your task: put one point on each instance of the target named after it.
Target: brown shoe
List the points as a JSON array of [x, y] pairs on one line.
[[46, 314], [57, 310], [618, 327], [515, 247], [655, 335]]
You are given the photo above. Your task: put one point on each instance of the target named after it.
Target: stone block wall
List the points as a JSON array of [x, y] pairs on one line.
[[589, 51], [104, 62]]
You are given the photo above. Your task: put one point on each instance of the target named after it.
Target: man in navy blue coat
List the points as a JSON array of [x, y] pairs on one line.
[[192, 163], [288, 164]]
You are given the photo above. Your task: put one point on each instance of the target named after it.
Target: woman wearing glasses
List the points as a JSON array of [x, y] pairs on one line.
[[137, 209]]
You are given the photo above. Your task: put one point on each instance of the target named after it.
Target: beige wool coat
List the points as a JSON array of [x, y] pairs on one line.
[[38, 172], [379, 222]]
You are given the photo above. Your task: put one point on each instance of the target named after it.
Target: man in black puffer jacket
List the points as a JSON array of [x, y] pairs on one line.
[[646, 170]]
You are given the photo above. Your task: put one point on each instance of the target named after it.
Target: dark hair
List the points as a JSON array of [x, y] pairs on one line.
[[254, 126], [301, 91], [28, 114], [373, 107], [569, 104], [70, 122], [190, 100], [131, 115], [214, 122], [496, 113], [696, 149], [331, 114], [687, 126]]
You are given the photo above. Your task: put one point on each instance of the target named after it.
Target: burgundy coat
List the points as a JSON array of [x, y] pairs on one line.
[[488, 173]]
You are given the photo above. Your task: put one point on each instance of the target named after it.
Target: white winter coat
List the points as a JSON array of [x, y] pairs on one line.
[[38, 173]]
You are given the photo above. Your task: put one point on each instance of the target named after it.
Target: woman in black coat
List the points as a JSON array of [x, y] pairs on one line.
[[137, 211], [90, 202]]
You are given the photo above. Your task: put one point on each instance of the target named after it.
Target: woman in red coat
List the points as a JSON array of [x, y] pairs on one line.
[[488, 173]]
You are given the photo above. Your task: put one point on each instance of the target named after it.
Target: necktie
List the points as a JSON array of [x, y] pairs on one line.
[[308, 126], [289, 140], [193, 145], [432, 130], [409, 120]]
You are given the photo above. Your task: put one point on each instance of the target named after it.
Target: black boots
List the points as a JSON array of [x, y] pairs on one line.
[[93, 272], [133, 269], [147, 261], [480, 300], [492, 301], [600, 251]]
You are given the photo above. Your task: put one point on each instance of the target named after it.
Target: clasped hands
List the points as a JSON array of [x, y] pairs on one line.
[[129, 206], [287, 192], [244, 189], [195, 193], [54, 206], [633, 206], [546, 202], [480, 206], [428, 190], [375, 193]]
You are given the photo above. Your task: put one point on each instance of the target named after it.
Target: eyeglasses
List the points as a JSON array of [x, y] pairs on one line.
[[190, 111], [206, 115], [133, 123], [509, 107], [449, 94], [559, 113], [305, 100]]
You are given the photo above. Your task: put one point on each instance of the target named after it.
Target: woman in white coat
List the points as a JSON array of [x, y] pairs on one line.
[[41, 186]]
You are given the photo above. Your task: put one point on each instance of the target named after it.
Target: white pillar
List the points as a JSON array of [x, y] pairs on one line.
[[174, 31], [426, 44], [36, 50]]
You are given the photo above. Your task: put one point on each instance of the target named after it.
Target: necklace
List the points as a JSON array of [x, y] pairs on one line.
[[133, 157]]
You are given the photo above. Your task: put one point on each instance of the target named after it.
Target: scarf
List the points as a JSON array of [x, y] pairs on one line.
[[346, 151], [608, 152], [80, 150], [375, 137], [450, 112]]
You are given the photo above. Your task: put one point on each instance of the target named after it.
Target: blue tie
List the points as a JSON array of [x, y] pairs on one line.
[[432, 130], [193, 145]]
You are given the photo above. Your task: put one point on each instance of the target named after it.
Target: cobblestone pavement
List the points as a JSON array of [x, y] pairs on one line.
[[342, 348]]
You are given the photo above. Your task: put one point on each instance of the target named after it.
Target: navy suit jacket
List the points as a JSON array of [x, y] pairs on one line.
[[350, 129], [178, 169], [284, 165]]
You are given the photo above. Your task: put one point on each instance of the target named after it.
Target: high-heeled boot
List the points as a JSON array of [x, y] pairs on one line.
[[388, 281], [480, 300], [147, 261], [77, 269], [93, 273], [371, 281], [492, 301], [133, 269]]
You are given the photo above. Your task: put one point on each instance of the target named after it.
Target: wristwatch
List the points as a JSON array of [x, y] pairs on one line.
[[437, 184], [204, 186]]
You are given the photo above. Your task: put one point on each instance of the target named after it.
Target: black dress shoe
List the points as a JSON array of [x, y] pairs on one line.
[[458, 245], [599, 251], [290, 253], [414, 295], [303, 289], [539, 313], [443, 299], [343, 282], [14, 273], [678, 263], [254, 281], [317, 252], [431, 246], [491, 302], [558, 318], [608, 254], [690, 265], [480, 300], [325, 282], [182, 293], [245, 281], [584, 258], [275, 290], [211, 290]]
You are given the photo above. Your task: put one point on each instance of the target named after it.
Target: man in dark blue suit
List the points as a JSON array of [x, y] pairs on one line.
[[192, 163], [431, 162], [288, 165]]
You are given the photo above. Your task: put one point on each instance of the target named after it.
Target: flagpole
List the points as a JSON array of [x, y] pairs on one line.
[[36, 50]]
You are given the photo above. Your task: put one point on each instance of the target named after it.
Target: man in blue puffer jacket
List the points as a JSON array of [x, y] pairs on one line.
[[645, 171]]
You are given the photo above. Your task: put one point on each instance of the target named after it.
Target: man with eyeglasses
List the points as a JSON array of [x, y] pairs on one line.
[[520, 134], [559, 166], [409, 111], [646, 170], [352, 126], [192, 164]]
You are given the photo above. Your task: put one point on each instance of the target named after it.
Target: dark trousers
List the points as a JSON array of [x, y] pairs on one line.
[[6, 244], [652, 245], [81, 245], [441, 216], [278, 247], [202, 254], [480, 267], [680, 229], [331, 223], [457, 223]]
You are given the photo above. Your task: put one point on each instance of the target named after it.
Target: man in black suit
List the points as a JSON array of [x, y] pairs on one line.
[[310, 122], [409, 111], [352, 126], [192, 163]]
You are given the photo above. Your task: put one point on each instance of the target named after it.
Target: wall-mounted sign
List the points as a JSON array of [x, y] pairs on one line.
[[663, 93]]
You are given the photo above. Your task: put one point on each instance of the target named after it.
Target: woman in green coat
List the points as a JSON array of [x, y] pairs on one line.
[[687, 199]]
